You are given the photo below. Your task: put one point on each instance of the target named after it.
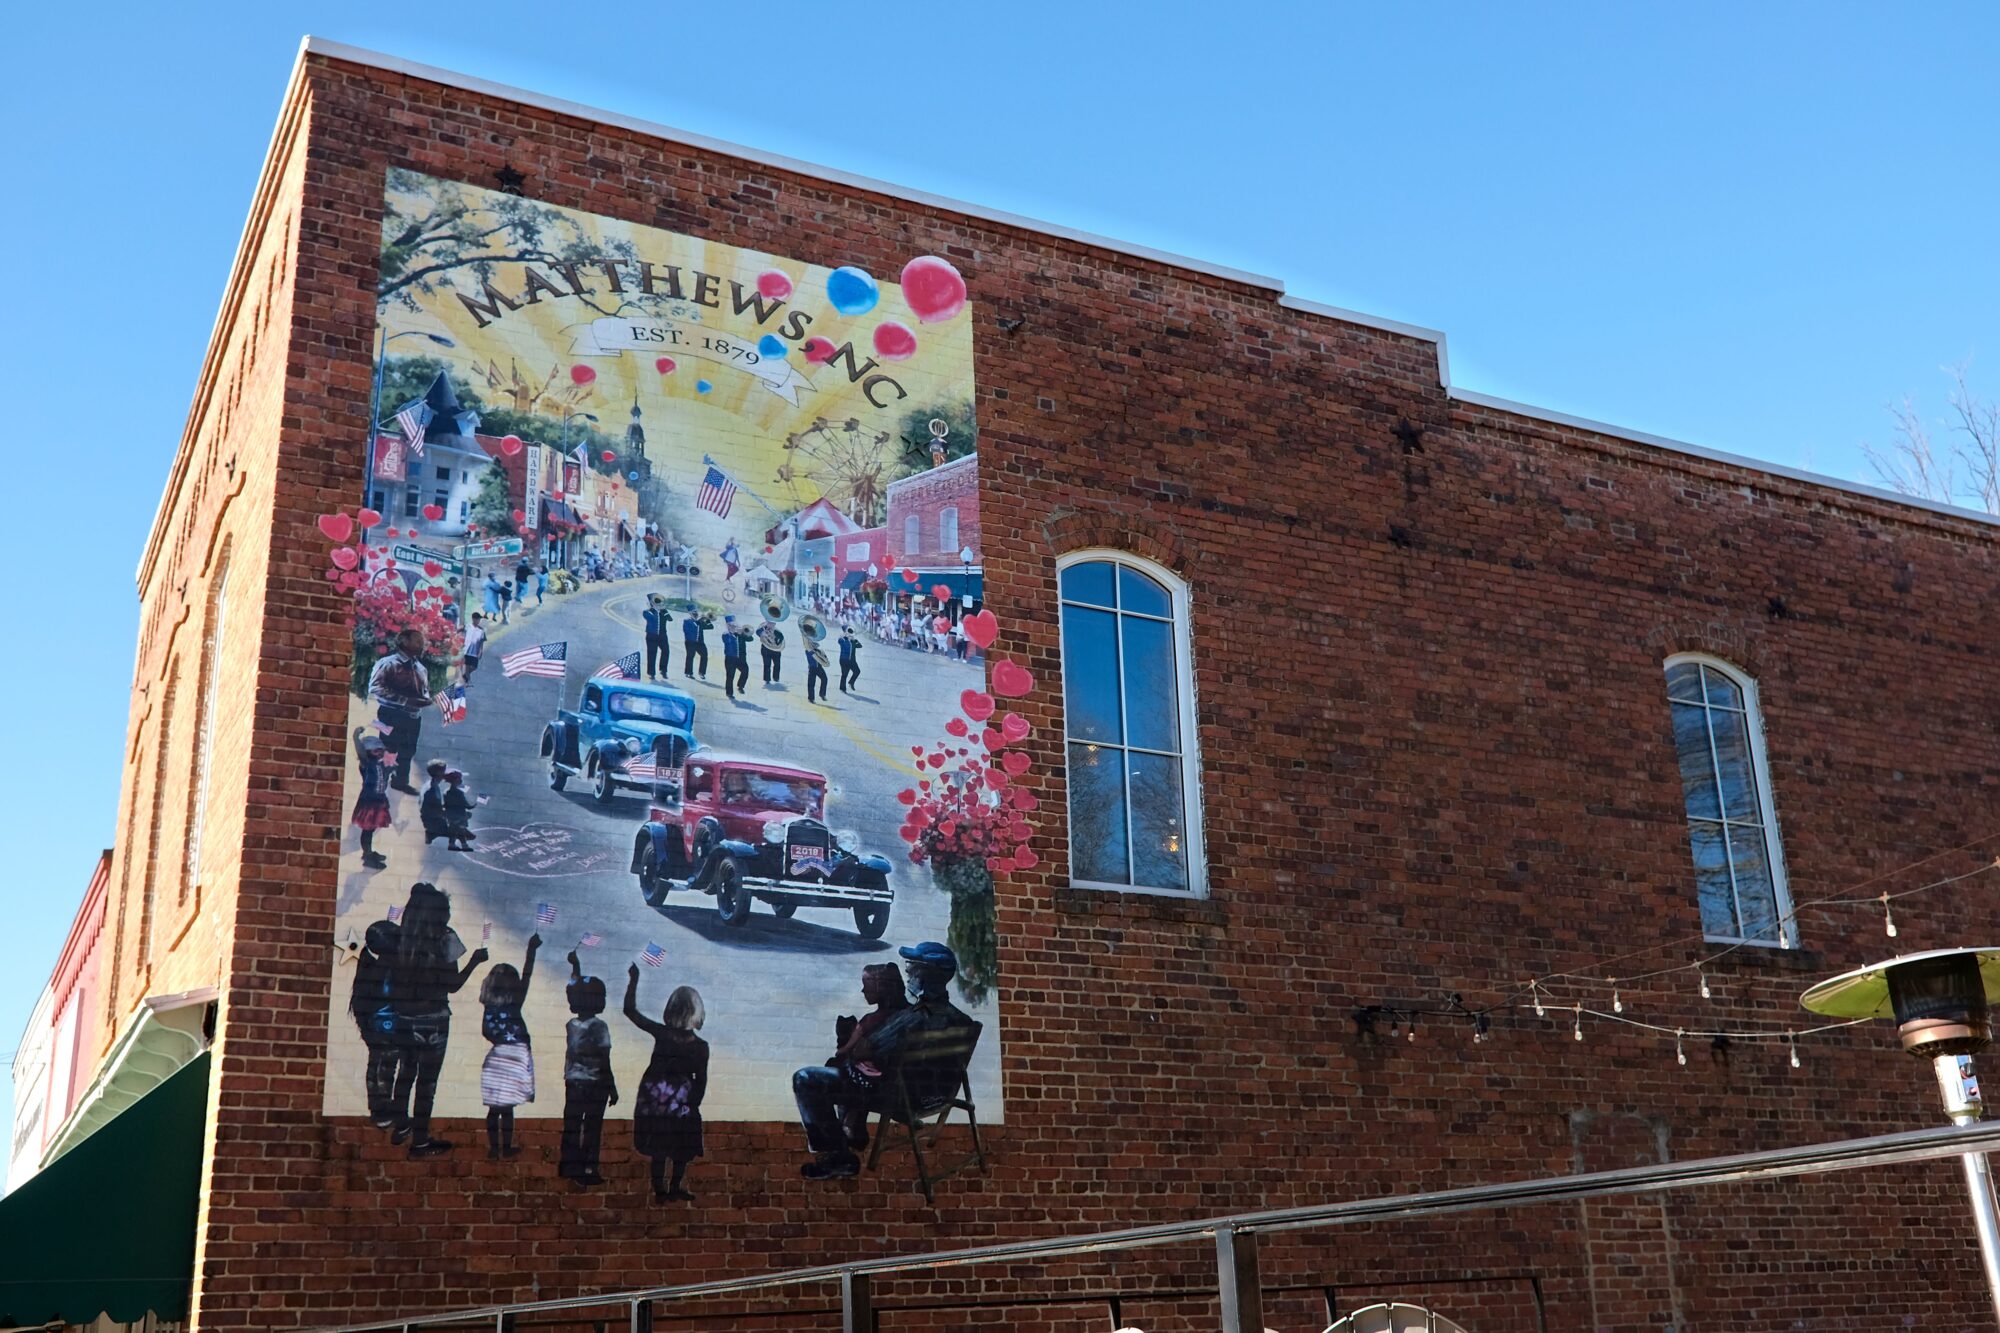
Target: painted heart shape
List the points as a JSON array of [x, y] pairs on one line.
[[982, 628], [1010, 679], [941, 592], [991, 739], [1017, 762], [956, 726], [345, 557], [390, 532], [520, 516], [1014, 727], [909, 576], [336, 527], [432, 569], [1025, 859], [942, 625], [1024, 799], [433, 512], [376, 553], [369, 518], [977, 704], [907, 796]]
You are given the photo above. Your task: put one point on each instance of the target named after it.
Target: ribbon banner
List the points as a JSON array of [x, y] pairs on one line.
[[667, 337]]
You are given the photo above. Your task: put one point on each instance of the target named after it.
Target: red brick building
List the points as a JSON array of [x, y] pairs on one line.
[[934, 522], [1428, 665]]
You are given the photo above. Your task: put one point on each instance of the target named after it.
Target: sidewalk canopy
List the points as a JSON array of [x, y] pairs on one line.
[[109, 1227]]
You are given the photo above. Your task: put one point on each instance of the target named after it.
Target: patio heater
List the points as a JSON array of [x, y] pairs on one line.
[[1940, 1002]]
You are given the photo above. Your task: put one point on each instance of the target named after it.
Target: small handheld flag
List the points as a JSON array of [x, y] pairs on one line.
[[624, 668], [395, 915], [544, 659], [590, 939], [486, 933], [716, 493], [451, 705], [545, 914], [654, 955]]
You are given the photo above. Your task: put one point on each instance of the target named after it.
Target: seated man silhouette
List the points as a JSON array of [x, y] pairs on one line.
[[828, 1094]]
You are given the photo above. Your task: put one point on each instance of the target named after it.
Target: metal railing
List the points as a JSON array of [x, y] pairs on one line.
[[1235, 1236]]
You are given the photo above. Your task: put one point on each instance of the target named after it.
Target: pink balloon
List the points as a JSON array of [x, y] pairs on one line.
[[581, 374], [818, 350], [510, 445], [773, 284], [1011, 680], [933, 289], [665, 365], [894, 342], [336, 527]]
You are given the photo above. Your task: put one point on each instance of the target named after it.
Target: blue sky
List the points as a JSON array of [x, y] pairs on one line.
[[1750, 227]]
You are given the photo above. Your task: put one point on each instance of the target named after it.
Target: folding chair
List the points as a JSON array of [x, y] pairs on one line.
[[924, 1084]]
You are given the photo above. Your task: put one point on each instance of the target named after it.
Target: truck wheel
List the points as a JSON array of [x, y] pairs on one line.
[[732, 900], [784, 911], [871, 919], [557, 778], [603, 787], [653, 884]]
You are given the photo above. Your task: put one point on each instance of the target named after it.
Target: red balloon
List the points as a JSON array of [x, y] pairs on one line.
[[665, 365], [510, 445], [818, 350], [894, 342], [773, 284], [1011, 680], [608, 456], [581, 374], [932, 289]]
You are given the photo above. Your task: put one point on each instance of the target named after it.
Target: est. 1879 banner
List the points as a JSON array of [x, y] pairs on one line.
[[668, 565]]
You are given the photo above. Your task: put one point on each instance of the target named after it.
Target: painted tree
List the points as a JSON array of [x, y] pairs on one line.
[[492, 508]]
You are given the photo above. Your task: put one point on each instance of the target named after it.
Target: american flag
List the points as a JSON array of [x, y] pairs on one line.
[[395, 914], [451, 705], [625, 668], [412, 421], [486, 933], [590, 939], [544, 659], [715, 494], [654, 955], [545, 914], [642, 770]]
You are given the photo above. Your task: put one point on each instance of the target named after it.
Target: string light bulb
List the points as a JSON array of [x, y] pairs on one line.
[[1617, 1005], [1535, 993], [1888, 918], [1792, 1040], [1704, 981], [1578, 1032], [1413, 1029], [1680, 1051]]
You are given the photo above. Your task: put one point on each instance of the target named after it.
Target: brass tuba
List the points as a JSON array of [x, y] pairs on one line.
[[812, 627], [775, 608]]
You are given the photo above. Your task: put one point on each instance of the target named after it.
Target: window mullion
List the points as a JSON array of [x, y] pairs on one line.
[[1722, 809]]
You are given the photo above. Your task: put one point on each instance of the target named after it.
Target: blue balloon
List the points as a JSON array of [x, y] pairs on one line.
[[852, 291], [631, 476], [702, 386], [771, 345]]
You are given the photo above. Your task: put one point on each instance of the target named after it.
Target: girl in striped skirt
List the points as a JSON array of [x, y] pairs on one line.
[[507, 1078]]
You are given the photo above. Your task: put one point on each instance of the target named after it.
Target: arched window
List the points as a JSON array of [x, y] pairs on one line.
[[163, 740], [1739, 866], [204, 721], [1128, 711]]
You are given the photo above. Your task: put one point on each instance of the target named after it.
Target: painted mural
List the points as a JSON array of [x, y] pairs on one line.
[[677, 780]]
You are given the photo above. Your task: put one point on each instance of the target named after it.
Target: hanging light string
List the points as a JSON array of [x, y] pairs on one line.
[[1787, 1035], [1842, 898]]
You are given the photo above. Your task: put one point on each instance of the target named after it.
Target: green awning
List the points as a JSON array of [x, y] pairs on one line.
[[108, 1228]]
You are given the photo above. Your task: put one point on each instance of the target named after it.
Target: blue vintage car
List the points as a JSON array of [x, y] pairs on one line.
[[623, 735]]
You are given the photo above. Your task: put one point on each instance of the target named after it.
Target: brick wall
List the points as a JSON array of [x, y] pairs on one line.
[[1436, 758]]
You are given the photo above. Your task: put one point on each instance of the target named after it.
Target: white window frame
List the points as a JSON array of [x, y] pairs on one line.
[[1774, 842], [1191, 789], [948, 529]]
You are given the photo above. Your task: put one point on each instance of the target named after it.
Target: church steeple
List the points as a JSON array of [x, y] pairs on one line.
[[635, 442]]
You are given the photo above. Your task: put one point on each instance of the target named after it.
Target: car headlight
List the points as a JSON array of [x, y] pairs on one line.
[[847, 840], [632, 745], [774, 831]]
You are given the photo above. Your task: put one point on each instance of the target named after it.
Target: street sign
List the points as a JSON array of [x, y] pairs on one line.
[[403, 553], [492, 548]]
